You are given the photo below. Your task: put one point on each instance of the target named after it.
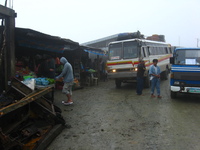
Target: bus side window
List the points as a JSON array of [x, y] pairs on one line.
[[148, 51], [166, 50], [142, 52], [152, 51], [162, 50], [170, 50]]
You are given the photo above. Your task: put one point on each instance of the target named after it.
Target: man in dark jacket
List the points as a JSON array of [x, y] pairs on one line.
[[47, 67], [68, 79], [140, 77], [50, 67]]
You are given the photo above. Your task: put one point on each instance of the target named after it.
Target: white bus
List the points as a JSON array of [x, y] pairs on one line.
[[123, 58]]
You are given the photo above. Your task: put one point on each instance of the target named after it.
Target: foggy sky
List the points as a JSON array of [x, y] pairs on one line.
[[86, 20]]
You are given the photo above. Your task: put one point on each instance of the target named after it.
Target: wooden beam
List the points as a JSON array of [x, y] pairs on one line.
[[9, 52], [5, 11]]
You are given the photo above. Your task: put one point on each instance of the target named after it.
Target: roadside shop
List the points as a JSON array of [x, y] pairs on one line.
[[28, 117], [33, 47]]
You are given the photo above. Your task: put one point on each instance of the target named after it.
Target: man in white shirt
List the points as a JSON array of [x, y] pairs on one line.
[[154, 73]]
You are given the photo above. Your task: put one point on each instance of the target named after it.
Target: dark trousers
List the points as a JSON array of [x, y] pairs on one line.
[[140, 85]]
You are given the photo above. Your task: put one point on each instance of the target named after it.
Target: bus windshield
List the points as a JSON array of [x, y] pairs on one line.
[[187, 57], [115, 51], [126, 50], [130, 50]]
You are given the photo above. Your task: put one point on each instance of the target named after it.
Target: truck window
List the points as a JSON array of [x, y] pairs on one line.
[[187, 57]]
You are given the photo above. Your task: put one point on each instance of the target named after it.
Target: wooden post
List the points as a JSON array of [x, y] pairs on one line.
[[9, 51]]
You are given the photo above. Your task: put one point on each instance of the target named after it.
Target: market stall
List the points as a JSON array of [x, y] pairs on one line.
[[28, 117], [35, 51]]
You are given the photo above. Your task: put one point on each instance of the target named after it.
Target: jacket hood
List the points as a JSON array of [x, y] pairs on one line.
[[63, 60]]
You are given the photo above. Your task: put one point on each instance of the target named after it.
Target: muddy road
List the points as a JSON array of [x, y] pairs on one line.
[[105, 118]]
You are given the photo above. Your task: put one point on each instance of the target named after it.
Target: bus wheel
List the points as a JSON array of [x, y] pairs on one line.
[[173, 95], [118, 83], [165, 74], [147, 81]]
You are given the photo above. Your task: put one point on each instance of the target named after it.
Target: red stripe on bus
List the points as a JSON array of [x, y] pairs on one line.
[[136, 62], [119, 63]]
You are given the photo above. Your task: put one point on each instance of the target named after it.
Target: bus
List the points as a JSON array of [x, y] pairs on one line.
[[185, 71], [124, 56]]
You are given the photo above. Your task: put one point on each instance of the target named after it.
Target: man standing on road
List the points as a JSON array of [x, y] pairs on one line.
[[154, 73], [140, 77], [67, 74]]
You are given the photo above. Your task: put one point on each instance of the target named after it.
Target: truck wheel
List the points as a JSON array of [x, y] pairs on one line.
[[147, 81], [118, 83], [173, 95]]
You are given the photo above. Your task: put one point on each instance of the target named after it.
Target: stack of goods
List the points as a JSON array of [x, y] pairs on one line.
[[44, 81], [39, 81]]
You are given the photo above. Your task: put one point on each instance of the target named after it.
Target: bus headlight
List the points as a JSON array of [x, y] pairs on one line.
[[114, 70], [136, 69]]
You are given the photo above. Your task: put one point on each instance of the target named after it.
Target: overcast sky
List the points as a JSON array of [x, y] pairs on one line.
[[86, 20]]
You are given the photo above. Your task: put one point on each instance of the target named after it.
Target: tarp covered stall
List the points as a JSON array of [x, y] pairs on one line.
[[92, 50]]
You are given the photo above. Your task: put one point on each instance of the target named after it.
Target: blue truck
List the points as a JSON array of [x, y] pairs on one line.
[[185, 71]]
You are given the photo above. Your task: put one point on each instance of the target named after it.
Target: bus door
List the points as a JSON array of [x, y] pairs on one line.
[[145, 54]]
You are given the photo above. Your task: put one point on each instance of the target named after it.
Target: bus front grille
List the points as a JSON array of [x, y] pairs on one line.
[[190, 76]]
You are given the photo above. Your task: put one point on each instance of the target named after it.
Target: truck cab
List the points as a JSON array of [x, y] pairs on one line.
[[185, 71]]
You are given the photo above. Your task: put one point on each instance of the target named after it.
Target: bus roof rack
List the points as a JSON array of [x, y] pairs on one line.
[[130, 35]]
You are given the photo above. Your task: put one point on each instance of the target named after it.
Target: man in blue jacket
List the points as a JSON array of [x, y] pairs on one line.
[[154, 72], [68, 79]]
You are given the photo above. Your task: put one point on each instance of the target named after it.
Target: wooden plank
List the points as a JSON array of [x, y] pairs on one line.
[[24, 101], [7, 11], [57, 129]]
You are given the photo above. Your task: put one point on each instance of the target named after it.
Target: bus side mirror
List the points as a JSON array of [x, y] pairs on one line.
[[171, 60]]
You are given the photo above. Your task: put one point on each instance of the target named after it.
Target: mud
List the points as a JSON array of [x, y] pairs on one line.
[[106, 118]]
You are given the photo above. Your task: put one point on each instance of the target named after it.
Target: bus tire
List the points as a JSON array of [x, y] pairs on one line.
[[118, 83], [147, 83], [173, 95], [164, 74]]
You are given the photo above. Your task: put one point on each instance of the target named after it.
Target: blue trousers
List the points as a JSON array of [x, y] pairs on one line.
[[140, 85], [155, 83]]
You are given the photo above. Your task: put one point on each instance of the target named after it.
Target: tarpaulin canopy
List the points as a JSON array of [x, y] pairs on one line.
[[40, 41], [93, 50]]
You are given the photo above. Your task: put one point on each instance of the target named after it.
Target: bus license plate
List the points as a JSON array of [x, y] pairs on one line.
[[194, 90]]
